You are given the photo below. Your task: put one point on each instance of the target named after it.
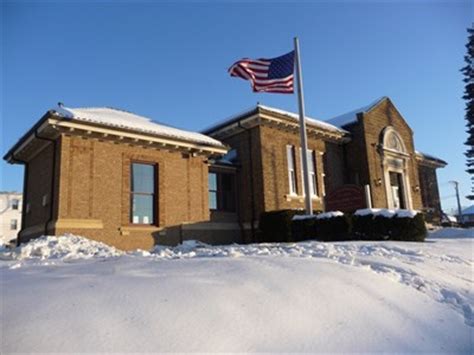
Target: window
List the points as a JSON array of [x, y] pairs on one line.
[[227, 192], [15, 204], [313, 183], [221, 191], [290, 157], [13, 224], [392, 140], [142, 194], [213, 191]]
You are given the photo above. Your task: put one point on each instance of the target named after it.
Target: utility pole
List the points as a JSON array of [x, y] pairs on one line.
[[456, 188]]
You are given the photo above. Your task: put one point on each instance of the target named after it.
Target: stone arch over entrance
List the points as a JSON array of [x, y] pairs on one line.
[[395, 163]]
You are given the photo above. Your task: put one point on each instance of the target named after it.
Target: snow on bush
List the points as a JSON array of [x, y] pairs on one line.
[[386, 213], [66, 247], [324, 215], [302, 217], [331, 214]]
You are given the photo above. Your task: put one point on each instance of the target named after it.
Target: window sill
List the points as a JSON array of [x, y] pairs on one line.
[[125, 230], [300, 198]]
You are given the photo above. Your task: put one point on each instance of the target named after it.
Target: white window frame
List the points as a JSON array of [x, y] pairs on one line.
[[14, 224], [312, 174], [15, 204], [290, 158]]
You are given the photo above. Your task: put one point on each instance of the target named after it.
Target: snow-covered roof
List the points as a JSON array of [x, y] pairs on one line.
[[430, 157], [469, 210], [127, 120], [351, 117], [293, 116]]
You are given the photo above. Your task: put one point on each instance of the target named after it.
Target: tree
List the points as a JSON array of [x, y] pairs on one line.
[[468, 96]]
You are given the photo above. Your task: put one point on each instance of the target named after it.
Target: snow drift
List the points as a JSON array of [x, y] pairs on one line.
[[282, 297], [66, 247]]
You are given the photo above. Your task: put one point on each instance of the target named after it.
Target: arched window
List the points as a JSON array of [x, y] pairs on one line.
[[391, 140]]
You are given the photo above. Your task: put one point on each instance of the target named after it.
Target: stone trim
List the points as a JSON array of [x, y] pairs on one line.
[[122, 136], [73, 223], [300, 198]]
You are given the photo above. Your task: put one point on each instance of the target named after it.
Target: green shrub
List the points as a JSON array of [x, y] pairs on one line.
[[411, 229], [279, 226], [303, 229], [275, 226], [333, 228], [378, 225]]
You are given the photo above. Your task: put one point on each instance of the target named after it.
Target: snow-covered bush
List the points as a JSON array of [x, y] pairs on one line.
[[329, 226], [383, 224], [365, 224], [275, 226], [303, 227], [372, 224], [333, 226], [411, 229]]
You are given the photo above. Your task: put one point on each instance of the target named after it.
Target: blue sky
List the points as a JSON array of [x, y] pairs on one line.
[[168, 61]]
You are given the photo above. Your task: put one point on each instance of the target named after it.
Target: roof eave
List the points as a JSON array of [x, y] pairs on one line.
[[135, 135], [52, 119], [431, 161], [231, 121], [9, 156], [260, 111]]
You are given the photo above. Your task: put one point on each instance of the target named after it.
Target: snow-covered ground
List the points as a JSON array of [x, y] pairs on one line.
[[68, 294]]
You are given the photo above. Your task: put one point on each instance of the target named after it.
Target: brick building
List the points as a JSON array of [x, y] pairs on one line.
[[122, 179]]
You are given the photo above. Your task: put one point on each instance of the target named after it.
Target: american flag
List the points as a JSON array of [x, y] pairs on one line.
[[267, 75]]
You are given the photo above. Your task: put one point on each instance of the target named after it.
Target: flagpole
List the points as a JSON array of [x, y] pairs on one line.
[[303, 137]]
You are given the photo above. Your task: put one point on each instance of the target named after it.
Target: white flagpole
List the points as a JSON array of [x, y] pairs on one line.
[[303, 137]]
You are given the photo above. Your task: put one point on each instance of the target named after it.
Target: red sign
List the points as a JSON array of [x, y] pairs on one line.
[[346, 198]]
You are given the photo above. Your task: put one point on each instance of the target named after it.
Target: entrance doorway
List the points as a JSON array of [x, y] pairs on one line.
[[396, 187]]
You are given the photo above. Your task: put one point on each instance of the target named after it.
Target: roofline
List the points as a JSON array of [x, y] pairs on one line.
[[401, 116], [372, 107], [260, 109], [356, 112], [430, 160], [60, 121], [233, 119], [9, 155], [376, 103]]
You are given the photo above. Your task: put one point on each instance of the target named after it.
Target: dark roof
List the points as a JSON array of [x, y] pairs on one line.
[[350, 117]]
